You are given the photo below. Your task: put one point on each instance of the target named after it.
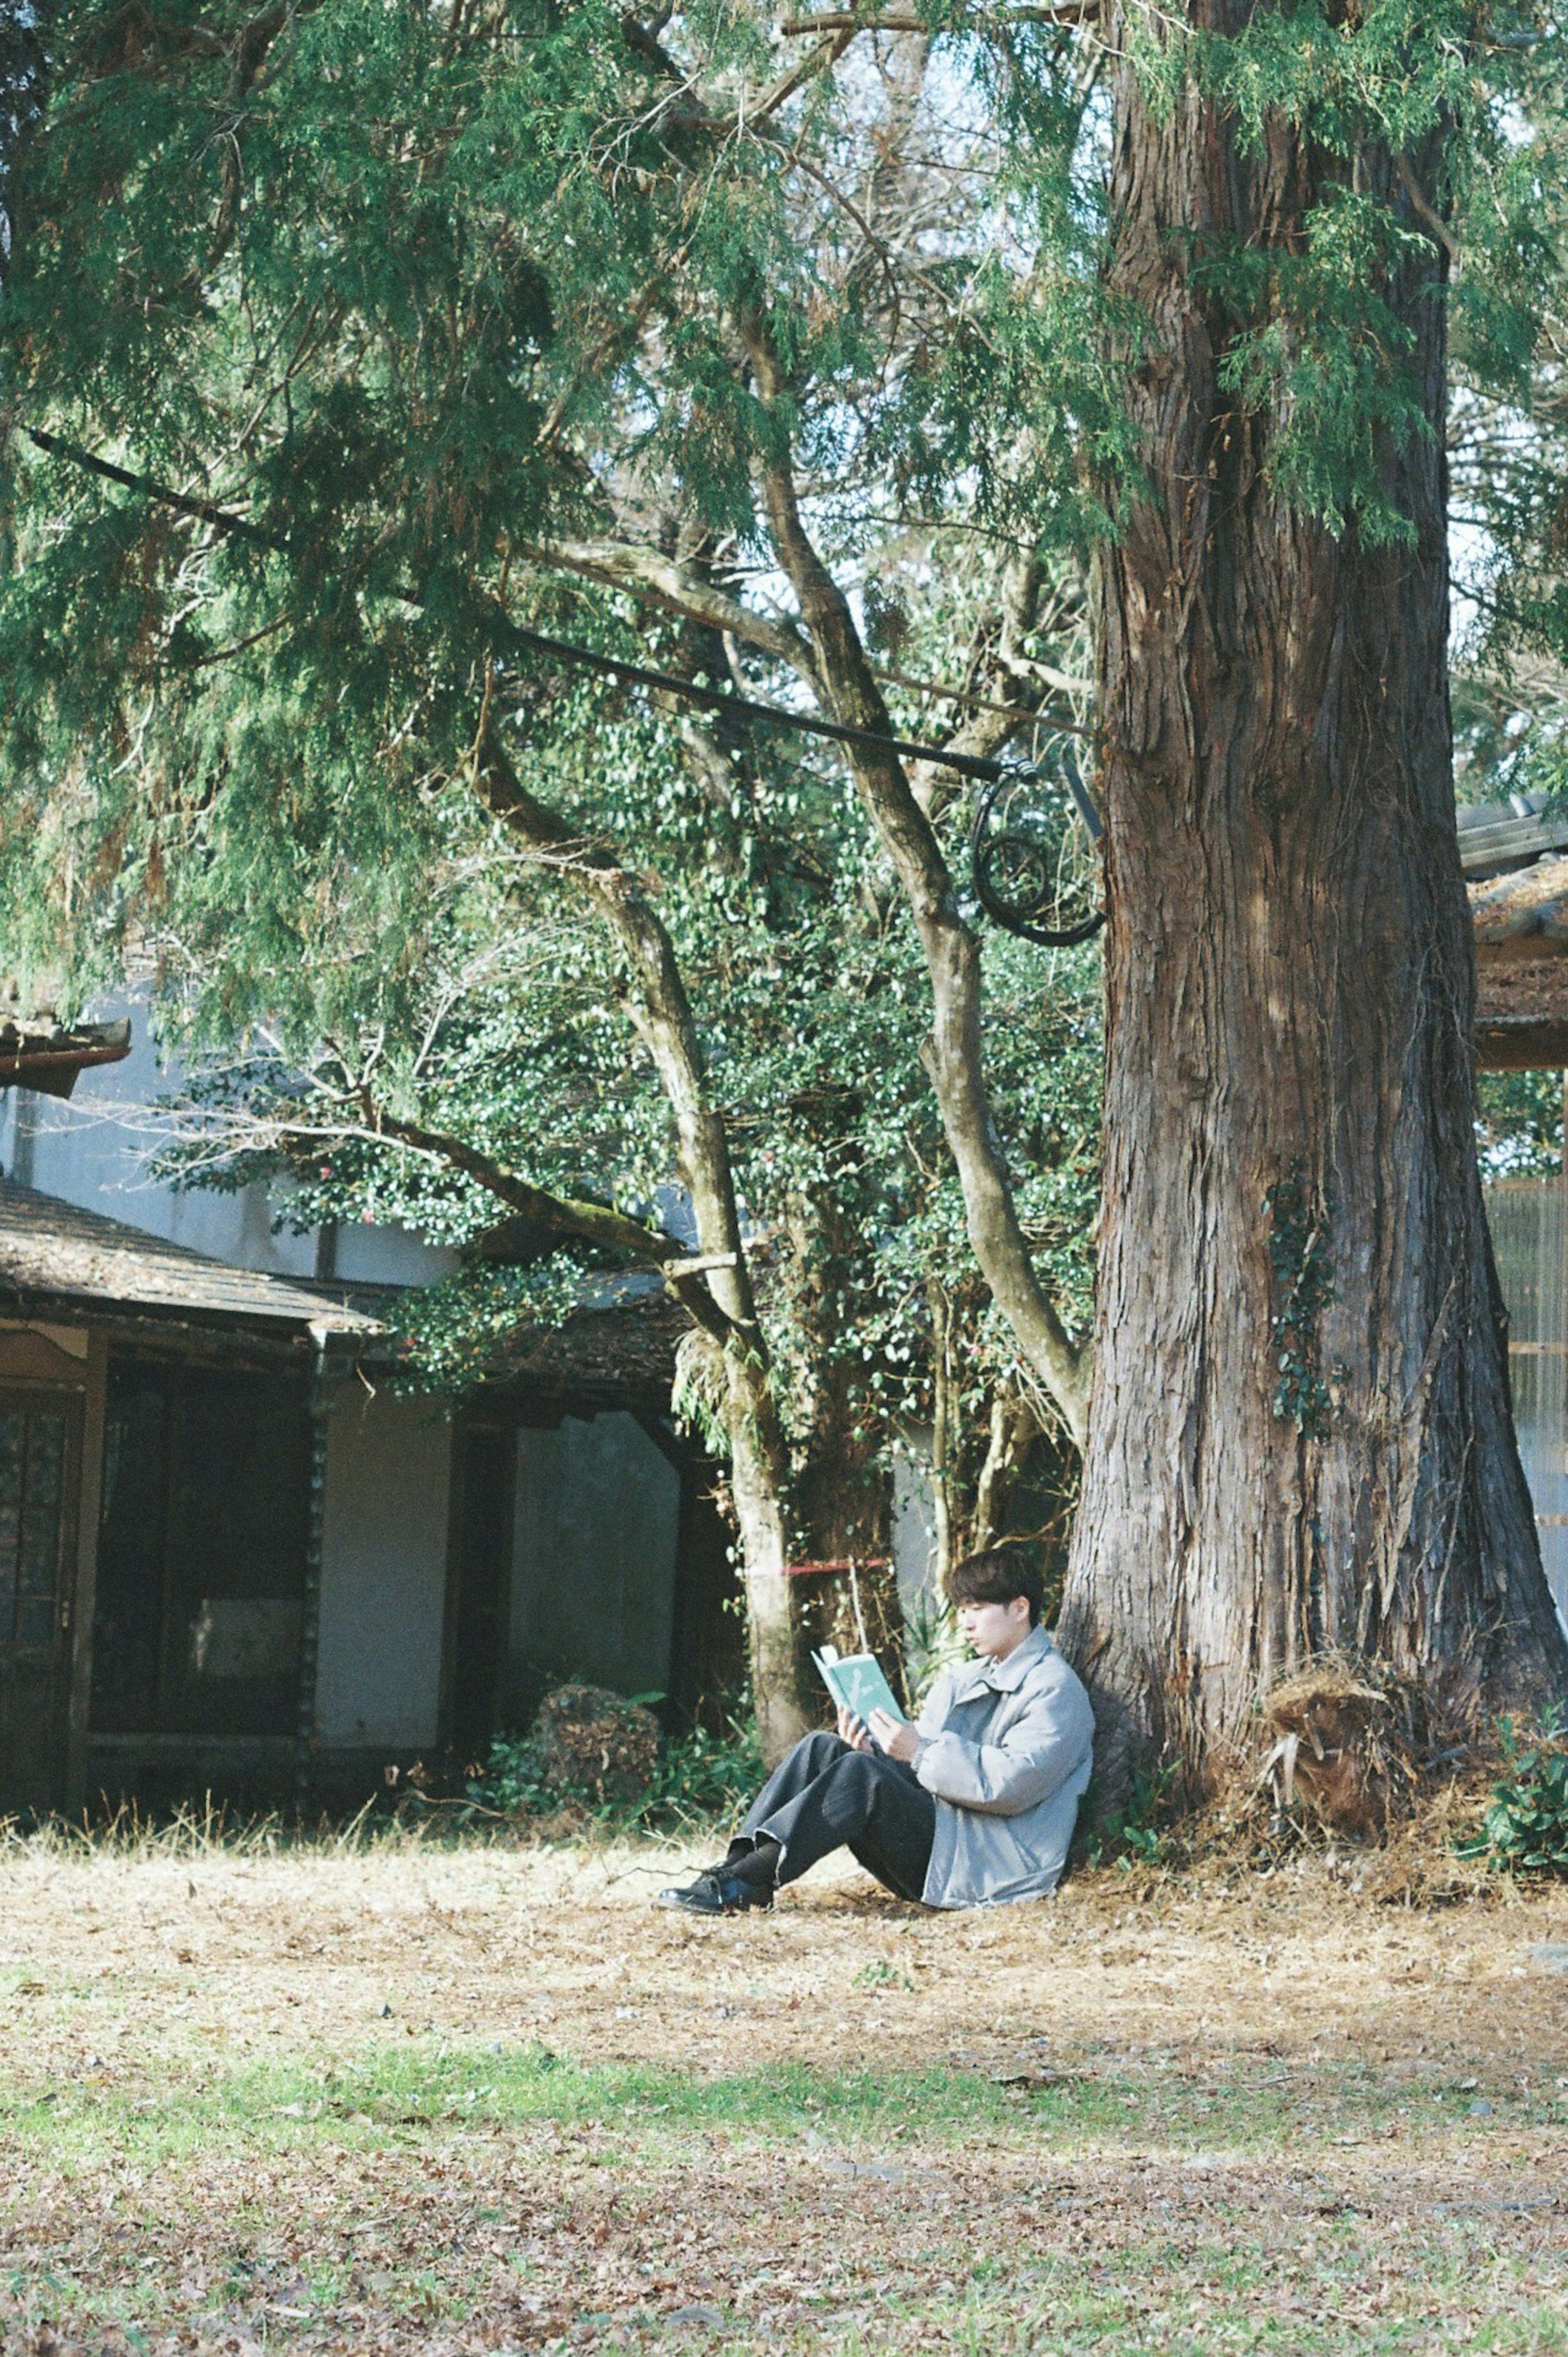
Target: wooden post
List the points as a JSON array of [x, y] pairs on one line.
[[311, 1629]]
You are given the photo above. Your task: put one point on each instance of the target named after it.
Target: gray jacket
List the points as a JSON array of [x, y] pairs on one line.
[[1006, 1750]]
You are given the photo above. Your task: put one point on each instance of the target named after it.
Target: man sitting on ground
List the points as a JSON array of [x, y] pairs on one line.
[[970, 1803]]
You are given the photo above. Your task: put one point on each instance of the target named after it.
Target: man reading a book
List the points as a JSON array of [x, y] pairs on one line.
[[970, 1803]]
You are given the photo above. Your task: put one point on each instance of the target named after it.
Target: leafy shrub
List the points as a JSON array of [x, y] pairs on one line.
[[1524, 1828], [698, 1779], [703, 1777]]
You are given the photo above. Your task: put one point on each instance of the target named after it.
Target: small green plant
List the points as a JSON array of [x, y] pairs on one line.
[[878, 1974], [513, 1782], [1524, 1828], [1139, 1830]]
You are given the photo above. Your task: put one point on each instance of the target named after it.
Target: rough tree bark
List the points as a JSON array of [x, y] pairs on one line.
[[1300, 1435]]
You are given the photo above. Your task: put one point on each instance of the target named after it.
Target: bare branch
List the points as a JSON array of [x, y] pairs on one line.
[[212, 1135], [1060, 680], [827, 53], [592, 1222], [564, 1215], [679, 589]]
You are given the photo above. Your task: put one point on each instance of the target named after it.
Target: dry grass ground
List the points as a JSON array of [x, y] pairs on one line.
[[486, 2099]]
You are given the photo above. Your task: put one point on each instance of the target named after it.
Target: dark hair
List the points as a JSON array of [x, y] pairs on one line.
[[996, 1577]]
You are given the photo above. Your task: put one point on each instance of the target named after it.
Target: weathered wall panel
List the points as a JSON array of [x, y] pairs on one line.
[[383, 1571]]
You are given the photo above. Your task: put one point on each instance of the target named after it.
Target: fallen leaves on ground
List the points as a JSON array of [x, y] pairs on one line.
[[489, 2099]]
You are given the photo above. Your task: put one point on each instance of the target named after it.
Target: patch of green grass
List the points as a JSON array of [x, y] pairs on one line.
[[424, 2184], [424, 2090], [1052, 2311]]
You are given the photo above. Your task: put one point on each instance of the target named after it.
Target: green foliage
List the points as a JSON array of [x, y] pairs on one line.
[[442, 294], [1519, 1123], [703, 1783], [422, 298], [1524, 1829], [1139, 1831]]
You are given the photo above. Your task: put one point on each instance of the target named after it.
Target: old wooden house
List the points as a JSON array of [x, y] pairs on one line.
[[235, 1556]]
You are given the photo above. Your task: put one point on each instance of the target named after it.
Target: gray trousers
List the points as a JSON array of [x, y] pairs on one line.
[[824, 1795]]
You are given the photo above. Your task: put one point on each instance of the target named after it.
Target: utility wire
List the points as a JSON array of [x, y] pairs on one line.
[[57, 446], [713, 699]]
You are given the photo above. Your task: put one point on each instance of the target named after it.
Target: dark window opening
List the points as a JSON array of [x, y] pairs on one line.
[[39, 1458], [202, 1554]]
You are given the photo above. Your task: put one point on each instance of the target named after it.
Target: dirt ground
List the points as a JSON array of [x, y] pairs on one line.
[[490, 2098]]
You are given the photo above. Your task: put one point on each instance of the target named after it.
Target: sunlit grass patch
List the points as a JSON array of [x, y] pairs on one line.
[[494, 2188], [418, 2092]]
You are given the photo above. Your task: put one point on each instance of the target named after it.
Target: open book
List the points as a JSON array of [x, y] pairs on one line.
[[856, 1683]]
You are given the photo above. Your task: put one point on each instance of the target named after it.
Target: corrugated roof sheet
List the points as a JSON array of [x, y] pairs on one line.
[[49, 1248]]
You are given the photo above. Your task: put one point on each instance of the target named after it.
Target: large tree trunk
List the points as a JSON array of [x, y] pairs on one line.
[[775, 1645], [1300, 1434]]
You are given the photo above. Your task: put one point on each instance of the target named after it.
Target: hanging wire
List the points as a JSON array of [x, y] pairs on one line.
[[1016, 871]]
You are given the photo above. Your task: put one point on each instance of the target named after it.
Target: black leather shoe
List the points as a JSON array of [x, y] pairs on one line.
[[717, 1892]]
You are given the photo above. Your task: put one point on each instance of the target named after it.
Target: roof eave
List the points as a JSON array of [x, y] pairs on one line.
[[53, 1070]]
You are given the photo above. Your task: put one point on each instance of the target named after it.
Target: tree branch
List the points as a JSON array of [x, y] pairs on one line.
[[1071, 12], [665, 581], [952, 1054], [563, 1215], [990, 725], [661, 1012], [827, 53], [662, 1015], [1429, 220]]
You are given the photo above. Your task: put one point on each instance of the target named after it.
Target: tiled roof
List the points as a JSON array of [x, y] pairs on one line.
[[1522, 968], [50, 1250], [1495, 836]]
